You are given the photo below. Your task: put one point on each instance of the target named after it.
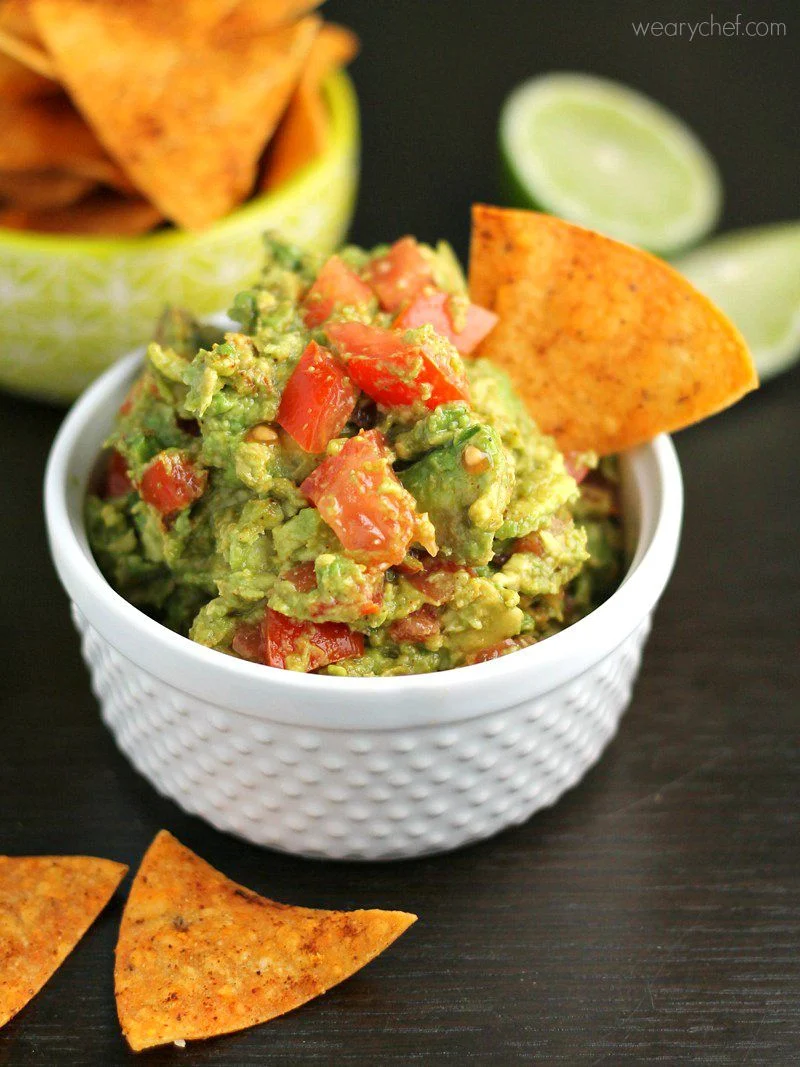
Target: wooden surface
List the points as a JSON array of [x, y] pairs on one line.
[[654, 915]]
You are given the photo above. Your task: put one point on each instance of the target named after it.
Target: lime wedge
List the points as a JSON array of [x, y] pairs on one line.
[[604, 156], [754, 276]]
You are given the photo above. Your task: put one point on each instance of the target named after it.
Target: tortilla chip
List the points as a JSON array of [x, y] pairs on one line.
[[49, 133], [47, 903], [259, 16], [185, 114], [42, 190], [204, 13], [19, 38], [607, 345], [201, 15], [199, 955], [103, 213], [334, 46], [303, 131], [300, 138], [18, 82]]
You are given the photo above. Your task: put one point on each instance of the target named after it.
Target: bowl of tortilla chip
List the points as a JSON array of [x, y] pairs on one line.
[[119, 195]]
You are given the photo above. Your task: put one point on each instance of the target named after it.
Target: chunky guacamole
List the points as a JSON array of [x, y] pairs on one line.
[[338, 486]]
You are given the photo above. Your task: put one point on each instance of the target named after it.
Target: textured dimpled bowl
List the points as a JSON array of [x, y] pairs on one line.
[[357, 768], [73, 305]]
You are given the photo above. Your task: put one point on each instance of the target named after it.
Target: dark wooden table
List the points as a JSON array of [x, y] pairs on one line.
[[653, 916]]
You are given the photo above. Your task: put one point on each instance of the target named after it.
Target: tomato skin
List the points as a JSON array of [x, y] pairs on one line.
[[172, 482], [118, 481], [432, 306], [335, 286], [394, 372], [358, 340], [378, 361], [302, 576], [323, 642], [398, 276], [360, 497], [416, 627], [246, 642], [317, 401]]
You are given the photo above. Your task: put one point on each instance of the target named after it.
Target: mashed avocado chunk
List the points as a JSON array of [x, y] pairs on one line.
[[334, 487]]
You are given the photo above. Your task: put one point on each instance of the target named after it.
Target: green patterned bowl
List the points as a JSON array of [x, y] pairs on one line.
[[72, 305]]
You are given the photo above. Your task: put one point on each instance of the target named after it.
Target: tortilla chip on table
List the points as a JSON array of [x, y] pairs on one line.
[[608, 345], [47, 903], [230, 82], [199, 955]]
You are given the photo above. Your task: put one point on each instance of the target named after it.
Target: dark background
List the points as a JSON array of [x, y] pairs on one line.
[[652, 916]]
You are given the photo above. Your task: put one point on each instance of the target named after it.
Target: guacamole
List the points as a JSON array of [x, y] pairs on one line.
[[337, 486]]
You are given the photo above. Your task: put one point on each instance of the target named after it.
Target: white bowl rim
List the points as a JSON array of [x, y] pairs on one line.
[[323, 702]]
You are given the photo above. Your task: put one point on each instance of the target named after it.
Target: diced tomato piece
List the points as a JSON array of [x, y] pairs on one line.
[[336, 286], [316, 643], [418, 626], [433, 306], [575, 466], [247, 642], [357, 339], [394, 372], [359, 496], [118, 481], [317, 400], [398, 276], [437, 581], [172, 482], [302, 576]]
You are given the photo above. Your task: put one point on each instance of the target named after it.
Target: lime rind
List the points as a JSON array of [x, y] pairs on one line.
[[754, 276], [604, 156]]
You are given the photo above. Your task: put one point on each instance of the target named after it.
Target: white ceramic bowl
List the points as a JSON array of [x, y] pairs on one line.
[[350, 768]]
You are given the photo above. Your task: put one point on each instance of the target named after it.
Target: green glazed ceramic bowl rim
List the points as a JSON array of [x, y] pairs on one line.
[[341, 99]]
